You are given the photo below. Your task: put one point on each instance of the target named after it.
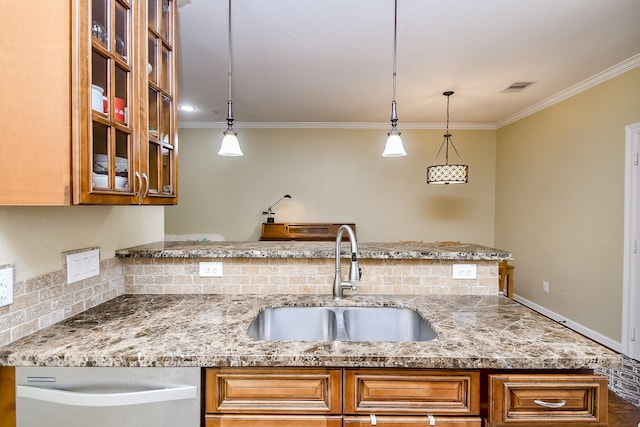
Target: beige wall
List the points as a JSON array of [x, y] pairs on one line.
[[560, 200], [334, 175], [33, 238]]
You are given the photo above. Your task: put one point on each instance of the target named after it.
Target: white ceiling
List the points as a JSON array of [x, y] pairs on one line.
[[331, 60]]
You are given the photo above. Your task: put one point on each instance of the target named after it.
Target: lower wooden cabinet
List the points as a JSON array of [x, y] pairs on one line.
[[405, 391], [351, 397], [411, 421], [547, 399], [273, 391], [273, 421], [316, 397]]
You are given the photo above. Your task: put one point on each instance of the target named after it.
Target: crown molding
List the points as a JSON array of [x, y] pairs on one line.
[[608, 74], [332, 125]]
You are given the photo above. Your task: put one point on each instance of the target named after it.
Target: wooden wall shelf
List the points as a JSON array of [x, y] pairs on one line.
[[301, 231]]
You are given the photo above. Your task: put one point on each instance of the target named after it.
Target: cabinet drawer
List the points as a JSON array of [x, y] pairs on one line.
[[409, 421], [273, 391], [412, 392], [547, 400], [273, 421]]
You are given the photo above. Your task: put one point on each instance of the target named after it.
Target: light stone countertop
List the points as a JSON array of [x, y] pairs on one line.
[[291, 249], [210, 330]]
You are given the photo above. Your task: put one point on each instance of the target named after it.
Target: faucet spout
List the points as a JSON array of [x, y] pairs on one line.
[[354, 270]]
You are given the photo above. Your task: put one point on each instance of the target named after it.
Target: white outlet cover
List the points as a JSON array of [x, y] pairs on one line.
[[210, 269], [464, 271], [6, 286]]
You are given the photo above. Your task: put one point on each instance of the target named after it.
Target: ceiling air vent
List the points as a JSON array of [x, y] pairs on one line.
[[518, 86]]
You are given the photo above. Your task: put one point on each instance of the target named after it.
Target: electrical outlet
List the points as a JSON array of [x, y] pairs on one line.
[[210, 269], [6, 286], [545, 286], [464, 271]]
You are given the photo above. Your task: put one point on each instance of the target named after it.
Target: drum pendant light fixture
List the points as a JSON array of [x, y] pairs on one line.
[[230, 145], [447, 173], [394, 147]]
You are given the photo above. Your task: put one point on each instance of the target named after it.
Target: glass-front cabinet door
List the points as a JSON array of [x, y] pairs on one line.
[[110, 156], [159, 155]]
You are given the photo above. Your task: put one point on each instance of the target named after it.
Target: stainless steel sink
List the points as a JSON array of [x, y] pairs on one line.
[[386, 324], [340, 324], [294, 324]]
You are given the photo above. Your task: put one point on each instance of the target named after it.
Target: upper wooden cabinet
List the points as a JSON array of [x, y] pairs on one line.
[[88, 108]]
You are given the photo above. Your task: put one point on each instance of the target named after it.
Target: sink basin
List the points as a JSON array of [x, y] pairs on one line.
[[386, 324], [294, 324], [340, 324]]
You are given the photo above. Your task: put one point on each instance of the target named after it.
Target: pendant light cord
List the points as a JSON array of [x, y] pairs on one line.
[[394, 111], [229, 75], [447, 136]]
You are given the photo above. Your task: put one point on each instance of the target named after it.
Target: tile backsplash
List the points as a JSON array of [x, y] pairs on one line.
[[46, 299], [304, 276]]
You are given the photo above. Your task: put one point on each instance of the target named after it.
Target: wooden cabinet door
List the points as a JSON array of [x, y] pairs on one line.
[[411, 421], [273, 421], [405, 391], [35, 82], [548, 399], [106, 77], [159, 141], [273, 391]]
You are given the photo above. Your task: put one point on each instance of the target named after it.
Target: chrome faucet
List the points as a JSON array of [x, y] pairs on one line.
[[354, 271]]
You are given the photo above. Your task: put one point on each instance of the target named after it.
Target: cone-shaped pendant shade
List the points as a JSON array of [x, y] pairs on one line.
[[394, 147], [230, 145]]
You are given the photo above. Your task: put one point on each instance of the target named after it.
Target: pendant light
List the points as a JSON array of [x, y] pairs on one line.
[[447, 173], [394, 147], [230, 145]]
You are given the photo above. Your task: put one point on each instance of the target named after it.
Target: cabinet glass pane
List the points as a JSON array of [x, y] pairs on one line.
[[153, 14], [165, 120], [166, 70], [166, 170], [153, 114], [153, 60], [100, 177], [99, 17], [99, 92], [121, 29], [122, 161], [120, 102], [167, 8], [153, 168]]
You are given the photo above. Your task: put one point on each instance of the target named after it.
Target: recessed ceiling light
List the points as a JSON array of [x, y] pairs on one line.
[[187, 108]]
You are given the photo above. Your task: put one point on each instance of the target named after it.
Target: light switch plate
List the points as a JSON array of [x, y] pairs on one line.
[[464, 271], [82, 265], [6, 286]]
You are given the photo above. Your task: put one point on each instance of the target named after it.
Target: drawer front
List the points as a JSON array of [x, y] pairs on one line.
[[273, 391], [555, 399], [272, 421], [412, 392], [409, 421]]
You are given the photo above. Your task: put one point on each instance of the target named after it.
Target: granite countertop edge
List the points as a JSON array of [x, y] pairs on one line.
[[474, 332], [314, 250]]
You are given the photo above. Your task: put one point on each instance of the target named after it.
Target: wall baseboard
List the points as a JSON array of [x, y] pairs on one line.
[[590, 333]]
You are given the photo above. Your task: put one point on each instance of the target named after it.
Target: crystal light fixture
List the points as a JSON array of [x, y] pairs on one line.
[[447, 173], [230, 145], [394, 147]]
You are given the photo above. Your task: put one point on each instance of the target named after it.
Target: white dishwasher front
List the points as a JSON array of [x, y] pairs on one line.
[[107, 397]]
